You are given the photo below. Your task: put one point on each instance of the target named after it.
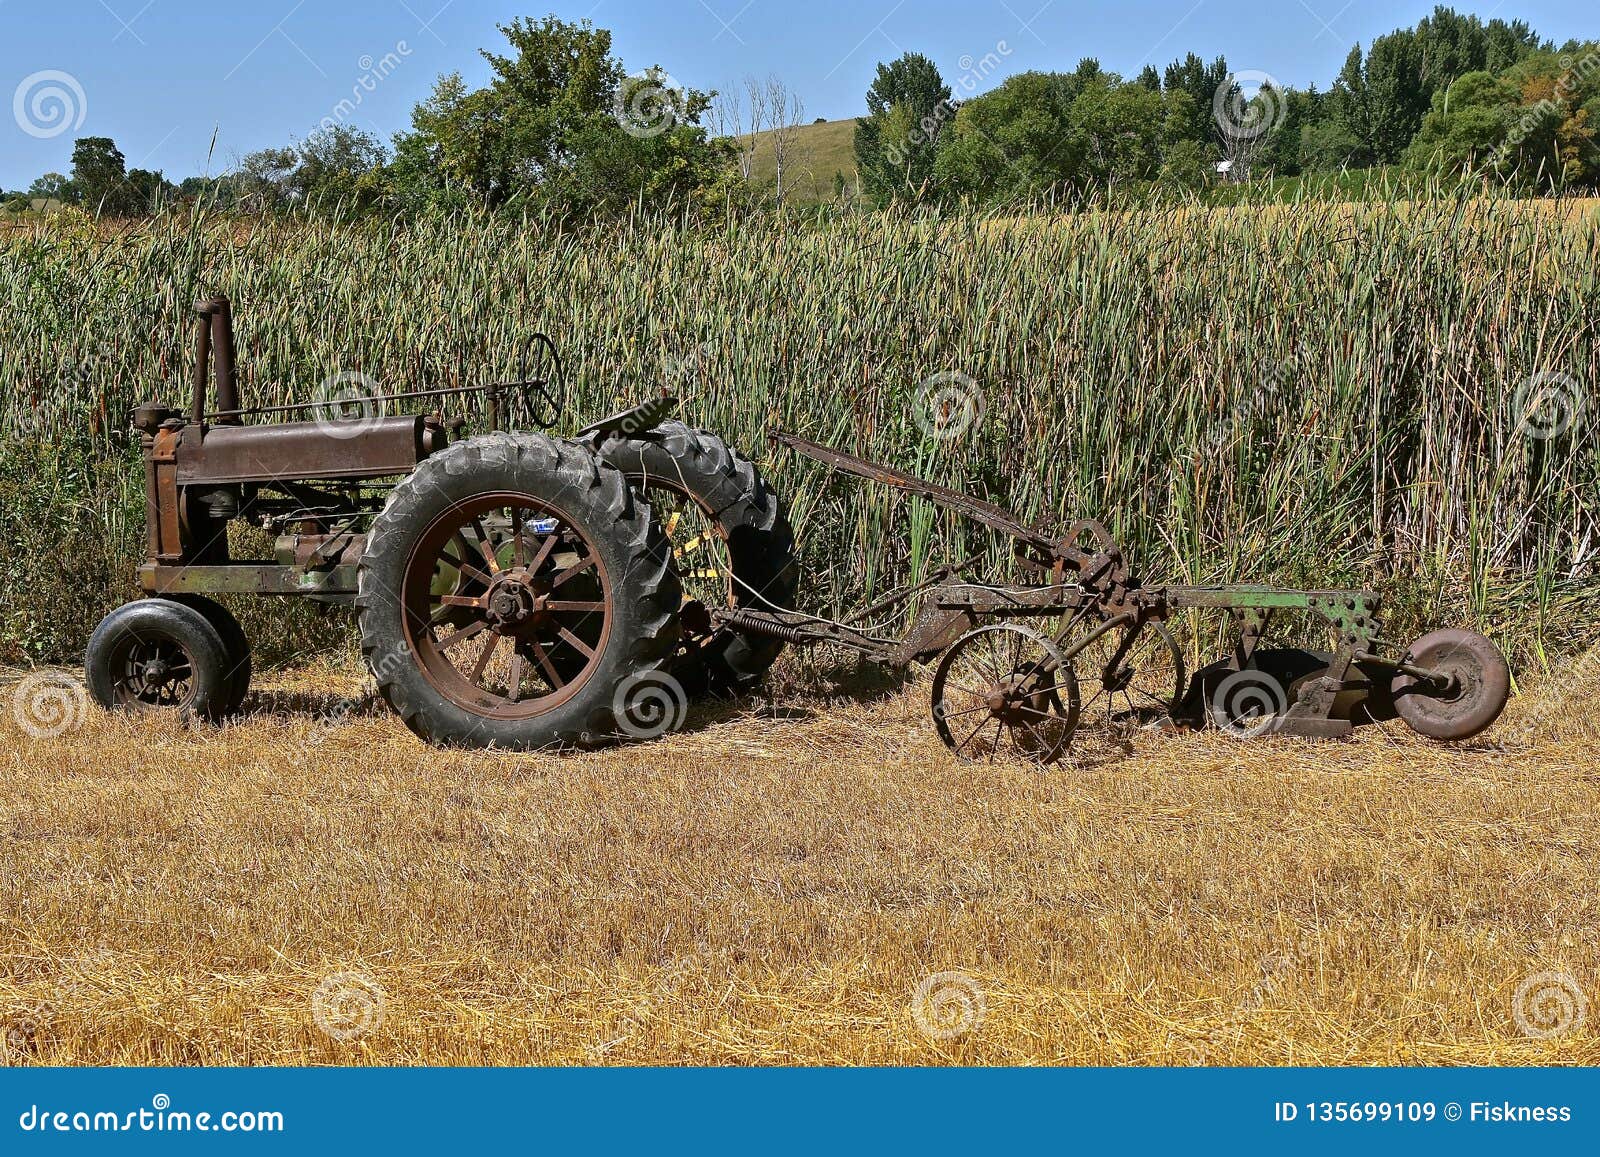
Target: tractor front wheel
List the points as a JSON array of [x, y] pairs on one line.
[[158, 653]]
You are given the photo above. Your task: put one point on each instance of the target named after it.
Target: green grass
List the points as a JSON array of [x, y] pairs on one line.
[[1311, 393], [820, 151]]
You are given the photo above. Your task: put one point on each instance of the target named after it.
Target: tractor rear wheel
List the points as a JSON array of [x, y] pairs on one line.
[[514, 593], [732, 546]]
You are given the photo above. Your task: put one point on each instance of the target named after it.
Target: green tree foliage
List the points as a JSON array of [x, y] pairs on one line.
[[99, 174], [560, 124], [1051, 133], [908, 112], [1534, 123], [1381, 98], [52, 187], [1199, 81]]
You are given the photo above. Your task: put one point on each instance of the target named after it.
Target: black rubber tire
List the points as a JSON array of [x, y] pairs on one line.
[[731, 491], [233, 638], [152, 620], [598, 501]]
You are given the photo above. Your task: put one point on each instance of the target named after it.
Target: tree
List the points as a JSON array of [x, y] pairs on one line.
[[99, 175], [783, 111], [1013, 141], [560, 124], [1350, 111], [1200, 81], [339, 166], [896, 144], [52, 187]]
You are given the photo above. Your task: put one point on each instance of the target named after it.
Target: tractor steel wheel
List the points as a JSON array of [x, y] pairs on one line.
[[1000, 681], [1475, 689], [514, 589], [732, 546], [157, 653]]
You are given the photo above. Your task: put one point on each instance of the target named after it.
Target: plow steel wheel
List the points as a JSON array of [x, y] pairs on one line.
[[1001, 681], [1471, 696], [1144, 687]]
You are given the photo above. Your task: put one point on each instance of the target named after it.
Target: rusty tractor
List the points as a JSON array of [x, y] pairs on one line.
[[515, 590]]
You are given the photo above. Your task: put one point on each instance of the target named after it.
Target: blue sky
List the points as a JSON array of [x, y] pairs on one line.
[[162, 76]]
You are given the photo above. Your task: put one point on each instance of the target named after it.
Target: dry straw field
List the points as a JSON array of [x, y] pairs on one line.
[[819, 884]]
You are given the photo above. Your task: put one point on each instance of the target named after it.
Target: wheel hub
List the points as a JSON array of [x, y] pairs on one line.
[[511, 600]]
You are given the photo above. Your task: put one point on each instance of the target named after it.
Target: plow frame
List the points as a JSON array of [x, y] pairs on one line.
[[1089, 592]]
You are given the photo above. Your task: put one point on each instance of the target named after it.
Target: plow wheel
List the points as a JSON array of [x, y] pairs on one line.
[[513, 592], [1140, 690], [731, 546], [1005, 689], [1468, 694]]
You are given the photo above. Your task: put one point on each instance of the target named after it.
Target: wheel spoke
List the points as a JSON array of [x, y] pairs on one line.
[[462, 635], [982, 723], [485, 547], [483, 660], [569, 605], [549, 669], [576, 568], [545, 548], [948, 714], [575, 642], [516, 535], [514, 678]]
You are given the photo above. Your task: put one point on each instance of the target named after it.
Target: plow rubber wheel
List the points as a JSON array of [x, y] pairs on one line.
[[1005, 679], [732, 545], [1480, 684], [158, 653], [513, 591]]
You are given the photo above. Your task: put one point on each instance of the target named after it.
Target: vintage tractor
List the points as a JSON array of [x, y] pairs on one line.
[[517, 590]]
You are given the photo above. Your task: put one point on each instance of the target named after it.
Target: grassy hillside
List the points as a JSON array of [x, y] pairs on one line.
[[820, 151]]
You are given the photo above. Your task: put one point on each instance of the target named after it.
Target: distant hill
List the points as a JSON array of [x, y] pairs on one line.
[[820, 150]]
